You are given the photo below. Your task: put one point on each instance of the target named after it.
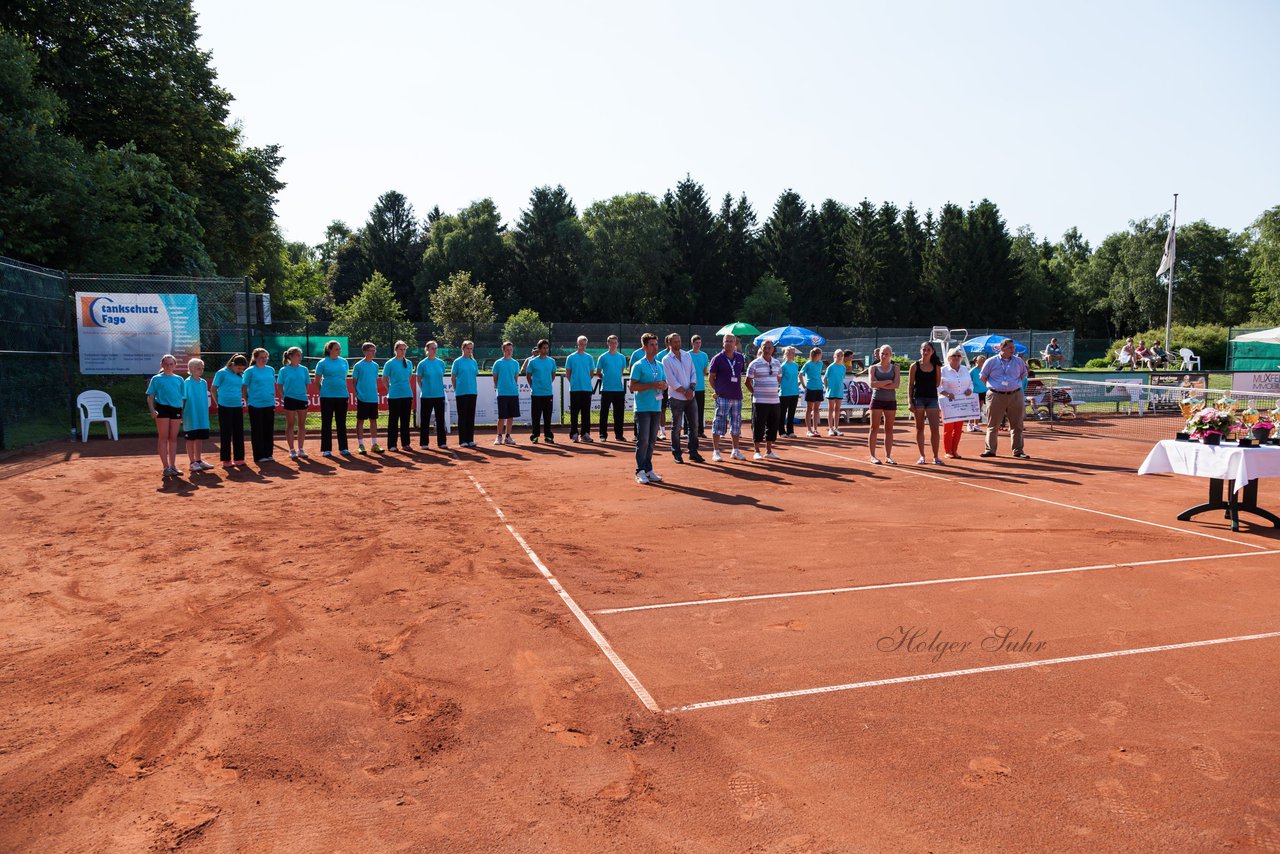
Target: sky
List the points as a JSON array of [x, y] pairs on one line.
[[1087, 114]]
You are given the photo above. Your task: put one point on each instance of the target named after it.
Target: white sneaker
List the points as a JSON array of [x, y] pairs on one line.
[[586, 437], [874, 460], [920, 461], [573, 439], [654, 477], [832, 433], [716, 458], [302, 455], [738, 455], [497, 441], [508, 440], [772, 456], [890, 461], [293, 455], [642, 477], [662, 434], [757, 456]]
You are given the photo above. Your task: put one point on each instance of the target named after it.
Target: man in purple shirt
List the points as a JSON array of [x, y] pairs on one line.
[[726, 371]]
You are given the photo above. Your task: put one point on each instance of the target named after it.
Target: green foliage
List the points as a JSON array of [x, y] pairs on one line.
[[1099, 363], [550, 247], [630, 260], [1263, 257], [474, 240], [393, 244], [742, 262], [459, 307], [374, 314], [524, 329], [768, 304], [789, 247]]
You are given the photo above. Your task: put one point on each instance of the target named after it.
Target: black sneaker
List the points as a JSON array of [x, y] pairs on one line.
[[551, 440], [679, 459], [533, 439], [987, 454], [697, 458], [1022, 455]]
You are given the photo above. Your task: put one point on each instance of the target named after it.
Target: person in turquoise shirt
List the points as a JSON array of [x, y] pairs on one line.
[[980, 389], [260, 389], [648, 382], [789, 391], [541, 371], [813, 391], [164, 399], [364, 376], [833, 376], [700, 362], [505, 371], [613, 390], [579, 368], [464, 372], [331, 376], [293, 379], [396, 372], [229, 385], [195, 414], [431, 387]]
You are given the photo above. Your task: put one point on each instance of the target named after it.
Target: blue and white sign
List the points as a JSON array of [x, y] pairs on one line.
[[129, 333]]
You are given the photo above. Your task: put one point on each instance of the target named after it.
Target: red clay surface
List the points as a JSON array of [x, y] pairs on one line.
[[359, 655]]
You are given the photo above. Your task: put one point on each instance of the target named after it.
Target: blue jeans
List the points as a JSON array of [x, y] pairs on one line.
[[646, 437]]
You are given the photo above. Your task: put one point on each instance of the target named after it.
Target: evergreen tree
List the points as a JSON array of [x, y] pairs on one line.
[[768, 305], [549, 247], [474, 240], [349, 270], [630, 259], [946, 267], [868, 301], [915, 242], [393, 244], [698, 254], [828, 282], [992, 287], [789, 248], [742, 261]]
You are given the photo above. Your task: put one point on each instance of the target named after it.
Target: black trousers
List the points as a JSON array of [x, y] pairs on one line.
[[579, 409], [230, 433], [466, 417], [764, 421], [262, 428], [398, 411], [611, 400], [333, 409], [431, 406], [788, 426], [540, 410], [700, 398]]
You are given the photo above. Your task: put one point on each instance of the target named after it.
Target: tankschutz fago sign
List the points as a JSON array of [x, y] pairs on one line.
[[128, 333]]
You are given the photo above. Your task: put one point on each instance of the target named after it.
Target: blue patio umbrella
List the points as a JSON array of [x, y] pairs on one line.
[[791, 336], [989, 344]]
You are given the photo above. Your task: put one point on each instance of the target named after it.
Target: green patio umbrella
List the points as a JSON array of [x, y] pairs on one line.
[[741, 329]]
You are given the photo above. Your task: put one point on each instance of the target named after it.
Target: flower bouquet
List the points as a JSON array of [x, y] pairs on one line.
[[1190, 405], [1210, 424]]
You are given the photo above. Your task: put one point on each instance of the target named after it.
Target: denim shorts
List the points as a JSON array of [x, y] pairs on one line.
[[728, 414], [924, 403]]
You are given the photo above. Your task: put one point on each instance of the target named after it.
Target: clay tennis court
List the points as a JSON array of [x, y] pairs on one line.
[[522, 649]]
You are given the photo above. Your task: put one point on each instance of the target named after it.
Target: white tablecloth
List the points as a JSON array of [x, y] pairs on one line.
[[1224, 462]]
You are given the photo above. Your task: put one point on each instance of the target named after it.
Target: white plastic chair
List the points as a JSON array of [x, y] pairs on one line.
[[92, 406], [1190, 361]]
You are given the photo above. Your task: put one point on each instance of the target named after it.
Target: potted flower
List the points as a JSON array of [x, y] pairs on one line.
[[1210, 424], [1262, 428]]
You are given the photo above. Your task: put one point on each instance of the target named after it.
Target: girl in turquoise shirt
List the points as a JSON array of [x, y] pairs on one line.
[[294, 379], [464, 371], [195, 414], [789, 391], [331, 376], [834, 378], [397, 372], [228, 384], [164, 399], [260, 389], [813, 392]]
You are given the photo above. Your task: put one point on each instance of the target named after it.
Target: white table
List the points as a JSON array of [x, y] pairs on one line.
[[1243, 467]]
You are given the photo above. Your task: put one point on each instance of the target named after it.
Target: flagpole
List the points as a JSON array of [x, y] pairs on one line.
[[1168, 317]]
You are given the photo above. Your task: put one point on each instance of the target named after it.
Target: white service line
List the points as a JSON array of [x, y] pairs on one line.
[[1019, 665], [618, 664], [909, 471], [924, 582]]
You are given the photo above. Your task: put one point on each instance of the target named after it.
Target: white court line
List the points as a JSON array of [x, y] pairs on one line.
[[898, 680], [956, 580], [618, 663], [907, 470]]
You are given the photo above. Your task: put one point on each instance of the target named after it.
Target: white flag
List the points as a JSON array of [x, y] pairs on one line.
[[1170, 249]]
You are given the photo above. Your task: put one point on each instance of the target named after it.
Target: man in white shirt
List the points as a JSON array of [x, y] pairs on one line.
[[681, 375]]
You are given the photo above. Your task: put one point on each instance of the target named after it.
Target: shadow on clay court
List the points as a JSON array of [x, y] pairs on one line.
[[716, 497], [546, 449]]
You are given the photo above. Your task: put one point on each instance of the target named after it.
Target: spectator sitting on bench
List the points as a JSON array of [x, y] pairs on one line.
[[1053, 355], [1157, 357]]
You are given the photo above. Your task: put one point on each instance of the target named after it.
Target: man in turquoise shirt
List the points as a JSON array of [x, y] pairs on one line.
[[648, 382], [365, 375], [541, 370], [505, 371], [431, 387], [578, 368], [613, 390], [700, 362]]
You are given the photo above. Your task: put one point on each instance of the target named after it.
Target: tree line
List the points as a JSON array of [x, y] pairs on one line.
[[116, 157]]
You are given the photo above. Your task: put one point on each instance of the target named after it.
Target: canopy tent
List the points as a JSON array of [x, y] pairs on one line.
[[791, 336], [989, 344], [1256, 351]]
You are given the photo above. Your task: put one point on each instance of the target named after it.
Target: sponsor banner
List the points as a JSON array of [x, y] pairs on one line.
[[129, 333], [1257, 382]]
